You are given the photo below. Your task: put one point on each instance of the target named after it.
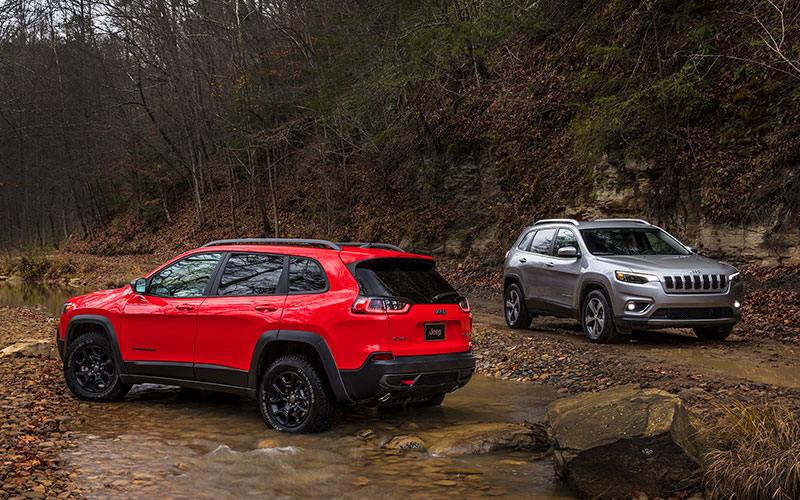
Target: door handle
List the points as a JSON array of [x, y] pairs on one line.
[[550, 264], [185, 307], [266, 307], [523, 259]]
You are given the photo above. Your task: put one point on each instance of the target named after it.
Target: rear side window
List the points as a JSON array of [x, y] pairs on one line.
[[542, 240], [415, 280], [251, 274], [526, 241], [306, 275]]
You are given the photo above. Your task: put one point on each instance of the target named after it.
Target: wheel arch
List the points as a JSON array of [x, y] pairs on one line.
[[274, 344], [587, 287], [85, 323], [510, 279]]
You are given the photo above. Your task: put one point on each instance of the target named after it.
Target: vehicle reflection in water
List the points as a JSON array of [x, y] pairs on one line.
[[172, 443]]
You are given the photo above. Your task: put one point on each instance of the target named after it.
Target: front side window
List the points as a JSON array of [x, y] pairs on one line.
[[565, 238], [542, 240], [251, 274], [186, 278], [631, 241], [306, 275]]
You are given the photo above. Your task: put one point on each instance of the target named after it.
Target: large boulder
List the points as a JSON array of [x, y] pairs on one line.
[[608, 444], [28, 347]]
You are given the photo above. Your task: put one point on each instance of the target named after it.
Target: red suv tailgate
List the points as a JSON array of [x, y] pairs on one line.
[[423, 309], [407, 332]]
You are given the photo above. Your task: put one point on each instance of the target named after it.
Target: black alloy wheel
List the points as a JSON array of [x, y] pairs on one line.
[[289, 399], [90, 370], [293, 396], [94, 370]]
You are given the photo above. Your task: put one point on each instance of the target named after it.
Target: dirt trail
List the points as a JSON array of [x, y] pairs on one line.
[[554, 351]]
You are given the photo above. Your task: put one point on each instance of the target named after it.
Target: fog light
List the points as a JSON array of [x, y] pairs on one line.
[[737, 304], [636, 306]]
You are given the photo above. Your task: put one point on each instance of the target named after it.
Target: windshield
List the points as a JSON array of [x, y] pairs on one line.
[[415, 280], [631, 241]]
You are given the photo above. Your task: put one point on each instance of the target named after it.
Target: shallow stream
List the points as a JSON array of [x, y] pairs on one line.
[[163, 442], [170, 443]]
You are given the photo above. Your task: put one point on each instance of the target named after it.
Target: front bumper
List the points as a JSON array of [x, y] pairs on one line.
[[675, 310], [408, 378], [60, 343], [647, 323]]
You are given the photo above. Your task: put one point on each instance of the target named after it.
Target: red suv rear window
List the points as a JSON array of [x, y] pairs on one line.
[[415, 280]]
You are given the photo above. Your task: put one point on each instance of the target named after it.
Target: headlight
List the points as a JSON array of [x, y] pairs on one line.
[[639, 279], [67, 306], [735, 276]]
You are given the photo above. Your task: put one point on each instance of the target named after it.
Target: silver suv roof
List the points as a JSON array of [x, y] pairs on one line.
[[598, 223]]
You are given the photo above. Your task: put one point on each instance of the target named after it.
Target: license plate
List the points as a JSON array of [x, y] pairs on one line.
[[434, 331]]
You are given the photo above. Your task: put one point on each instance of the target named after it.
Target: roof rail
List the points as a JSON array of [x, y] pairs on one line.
[[276, 241], [385, 246], [561, 221], [637, 221]]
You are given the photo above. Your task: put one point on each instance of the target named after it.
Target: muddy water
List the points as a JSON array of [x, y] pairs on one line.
[[48, 298], [170, 443]]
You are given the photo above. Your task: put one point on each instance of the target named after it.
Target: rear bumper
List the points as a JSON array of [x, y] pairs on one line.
[[409, 378]]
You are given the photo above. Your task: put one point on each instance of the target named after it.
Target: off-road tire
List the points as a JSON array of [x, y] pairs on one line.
[[514, 310], [90, 370], [716, 333], [597, 318], [310, 410]]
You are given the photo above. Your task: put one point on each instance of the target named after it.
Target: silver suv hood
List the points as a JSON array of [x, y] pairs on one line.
[[667, 264]]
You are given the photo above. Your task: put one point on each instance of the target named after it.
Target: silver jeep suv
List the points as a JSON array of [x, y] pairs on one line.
[[616, 276]]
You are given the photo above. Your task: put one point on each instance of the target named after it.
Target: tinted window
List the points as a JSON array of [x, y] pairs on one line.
[[251, 274], [633, 241], [186, 278], [305, 275], [412, 279], [542, 240], [565, 238], [526, 241]]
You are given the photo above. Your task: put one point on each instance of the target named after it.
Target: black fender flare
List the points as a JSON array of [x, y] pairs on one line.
[[584, 286], [512, 279], [105, 323], [310, 338]]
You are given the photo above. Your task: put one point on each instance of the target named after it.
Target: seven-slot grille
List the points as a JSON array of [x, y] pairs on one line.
[[696, 283]]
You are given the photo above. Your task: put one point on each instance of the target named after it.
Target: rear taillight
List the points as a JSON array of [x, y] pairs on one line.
[[506, 255], [463, 303], [376, 305]]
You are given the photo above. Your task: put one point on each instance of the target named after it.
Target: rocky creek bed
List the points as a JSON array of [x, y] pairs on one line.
[[759, 364]]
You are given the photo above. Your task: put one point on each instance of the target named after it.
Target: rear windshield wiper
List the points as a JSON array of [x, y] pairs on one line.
[[442, 295]]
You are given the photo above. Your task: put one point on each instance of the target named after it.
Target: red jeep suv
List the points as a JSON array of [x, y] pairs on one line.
[[301, 325]]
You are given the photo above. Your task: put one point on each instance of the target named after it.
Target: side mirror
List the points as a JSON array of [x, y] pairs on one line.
[[567, 252], [139, 285], [692, 249]]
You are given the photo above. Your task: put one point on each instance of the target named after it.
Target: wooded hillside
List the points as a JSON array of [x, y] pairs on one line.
[[136, 125]]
